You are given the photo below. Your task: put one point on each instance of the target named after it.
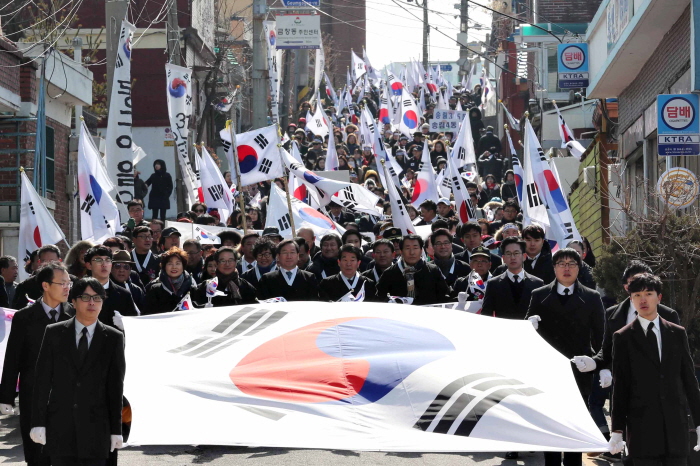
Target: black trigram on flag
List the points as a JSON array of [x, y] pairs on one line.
[[234, 328], [31, 208], [515, 161], [120, 62], [216, 192], [349, 195], [541, 154], [265, 166], [455, 183], [88, 203], [319, 123], [462, 154], [533, 198], [568, 227], [471, 208], [478, 397], [446, 183], [407, 103], [284, 223], [262, 142], [226, 144], [370, 125]]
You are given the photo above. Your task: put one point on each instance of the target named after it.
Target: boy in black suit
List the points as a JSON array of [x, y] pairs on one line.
[[23, 345], [77, 405], [654, 383], [348, 279]]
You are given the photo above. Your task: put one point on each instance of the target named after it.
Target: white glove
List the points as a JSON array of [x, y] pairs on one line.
[[117, 319], [605, 378], [38, 435], [117, 442], [616, 444], [6, 409], [535, 321], [697, 447], [461, 300], [584, 363]]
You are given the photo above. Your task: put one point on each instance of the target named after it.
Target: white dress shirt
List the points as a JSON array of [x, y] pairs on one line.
[[631, 313], [79, 332], [288, 279], [521, 275], [533, 259], [561, 288], [48, 309], [657, 331]]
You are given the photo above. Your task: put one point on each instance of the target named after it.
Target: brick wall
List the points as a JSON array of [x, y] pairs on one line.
[[669, 61], [585, 204], [9, 69], [566, 11], [347, 36], [28, 82]]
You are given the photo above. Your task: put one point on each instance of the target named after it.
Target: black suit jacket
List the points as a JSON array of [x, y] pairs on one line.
[[32, 288], [461, 269], [304, 287], [496, 262], [615, 319], [4, 300], [333, 288], [500, 302], [80, 405], [573, 329], [118, 299], [345, 217], [430, 285], [651, 398]]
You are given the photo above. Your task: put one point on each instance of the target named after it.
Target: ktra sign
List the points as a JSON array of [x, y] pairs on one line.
[[678, 124], [573, 66]]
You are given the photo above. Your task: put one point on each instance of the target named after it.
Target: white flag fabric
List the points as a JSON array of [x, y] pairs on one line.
[[444, 183], [99, 214], [372, 73], [358, 67], [533, 207], [317, 123], [331, 153], [462, 152], [358, 199], [488, 96], [324, 188], [297, 188], [319, 66], [410, 114], [425, 187], [179, 95], [463, 204], [515, 124], [185, 304], [386, 111], [519, 176], [118, 155], [399, 215], [205, 236], [567, 137], [214, 188], [258, 154], [372, 377], [304, 216], [270, 28], [330, 92], [37, 227]]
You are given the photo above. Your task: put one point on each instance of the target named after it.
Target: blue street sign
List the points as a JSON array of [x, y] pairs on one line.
[[446, 67], [678, 124], [572, 65], [302, 3]]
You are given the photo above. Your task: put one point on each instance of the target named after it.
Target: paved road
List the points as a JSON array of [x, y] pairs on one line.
[[11, 454]]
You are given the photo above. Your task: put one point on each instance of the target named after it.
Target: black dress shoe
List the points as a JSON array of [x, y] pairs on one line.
[[512, 455]]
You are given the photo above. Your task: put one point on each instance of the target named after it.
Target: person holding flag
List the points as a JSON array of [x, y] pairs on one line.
[[230, 289], [173, 284]]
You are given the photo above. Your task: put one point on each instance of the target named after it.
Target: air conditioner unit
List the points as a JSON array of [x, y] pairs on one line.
[[589, 176]]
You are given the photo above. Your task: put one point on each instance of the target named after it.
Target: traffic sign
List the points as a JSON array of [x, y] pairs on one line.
[[678, 124], [572, 66], [298, 31]]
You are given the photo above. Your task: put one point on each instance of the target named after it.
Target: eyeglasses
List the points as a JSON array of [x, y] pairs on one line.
[[68, 285], [227, 261], [86, 298], [566, 265], [122, 265], [513, 254], [145, 238], [265, 255], [99, 260]]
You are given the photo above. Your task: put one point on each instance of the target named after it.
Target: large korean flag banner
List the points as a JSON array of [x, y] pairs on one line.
[[344, 377]]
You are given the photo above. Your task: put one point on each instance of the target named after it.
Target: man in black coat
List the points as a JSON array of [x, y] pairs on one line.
[[31, 287], [508, 295], [121, 275], [470, 234], [511, 209], [288, 281], [231, 289], [264, 254], [325, 262], [451, 268], [383, 251], [338, 216], [161, 183], [98, 261], [77, 403], [489, 142], [538, 258], [348, 280], [412, 277], [654, 383], [569, 317], [23, 345], [147, 264]]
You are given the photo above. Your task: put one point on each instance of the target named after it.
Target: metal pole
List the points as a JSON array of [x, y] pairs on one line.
[[239, 188], [78, 56], [172, 47], [259, 66], [115, 12], [426, 31], [289, 207]]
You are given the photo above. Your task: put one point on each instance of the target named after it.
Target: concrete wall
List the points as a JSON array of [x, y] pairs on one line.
[[585, 204]]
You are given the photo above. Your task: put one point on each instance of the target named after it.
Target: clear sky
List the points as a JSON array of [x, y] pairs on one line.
[[394, 35]]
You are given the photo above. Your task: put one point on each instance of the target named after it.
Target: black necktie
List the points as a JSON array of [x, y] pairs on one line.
[[515, 279], [566, 291], [83, 346], [53, 314], [652, 341], [289, 275]]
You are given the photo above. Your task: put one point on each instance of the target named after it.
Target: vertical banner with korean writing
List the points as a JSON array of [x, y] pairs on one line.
[[271, 35], [179, 95], [119, 158]]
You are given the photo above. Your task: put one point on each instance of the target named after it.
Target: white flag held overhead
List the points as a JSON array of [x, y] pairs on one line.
[[99, 214], [305, 216], [217, 194], [205, 236], [410, 115], [567, 137], [515, 124], [258, 154], [358, 66], [533, 206], [399, 215], [444, 183], [37, 226], [425, 187], [317, 123], [330, 92], [519, 176], [358, 199], [324, 188], [331, 153], [463, 150], [463, 204]]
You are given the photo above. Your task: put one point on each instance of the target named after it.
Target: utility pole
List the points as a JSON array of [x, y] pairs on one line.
[[259, 66], [78, 56], [463, 36], [115, 13], [426, 32], [172, 47]]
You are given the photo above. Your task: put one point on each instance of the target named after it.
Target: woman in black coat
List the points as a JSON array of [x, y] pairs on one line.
[[161, 184], [172, 285]]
